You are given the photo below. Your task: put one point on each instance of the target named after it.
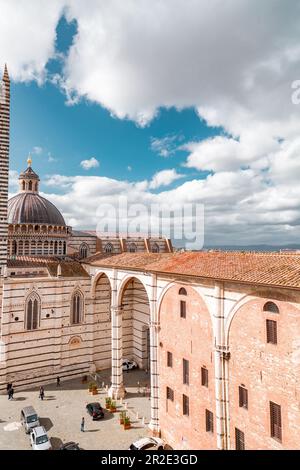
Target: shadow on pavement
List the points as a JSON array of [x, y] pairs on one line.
[[56, 442], [47, 423]]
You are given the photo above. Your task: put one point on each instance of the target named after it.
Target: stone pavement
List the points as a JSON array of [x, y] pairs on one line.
[[64, 406]]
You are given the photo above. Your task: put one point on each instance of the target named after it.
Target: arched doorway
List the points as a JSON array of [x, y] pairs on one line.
[[135, 307]]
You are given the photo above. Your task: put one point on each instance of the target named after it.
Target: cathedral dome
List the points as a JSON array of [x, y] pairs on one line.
[[28, 207], [31, 208]]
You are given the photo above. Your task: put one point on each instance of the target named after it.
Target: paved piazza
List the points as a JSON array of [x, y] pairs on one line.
[[64, 406]]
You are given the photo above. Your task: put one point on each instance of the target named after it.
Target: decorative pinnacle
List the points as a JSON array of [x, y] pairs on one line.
[[29, 160]]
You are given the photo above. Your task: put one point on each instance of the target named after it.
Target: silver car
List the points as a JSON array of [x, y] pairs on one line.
[[29, 418]]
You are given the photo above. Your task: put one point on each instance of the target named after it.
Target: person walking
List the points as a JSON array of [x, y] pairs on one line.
[[42, 393], [11, 393], [57, 381], [82, 425]]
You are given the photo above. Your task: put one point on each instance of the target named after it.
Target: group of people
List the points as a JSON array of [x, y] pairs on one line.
[[10, 391]]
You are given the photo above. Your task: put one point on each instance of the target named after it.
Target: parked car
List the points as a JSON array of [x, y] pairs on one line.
[[39, 439], [70, 446], [29, 418], [95, 410], [154, 443], [128, 364]]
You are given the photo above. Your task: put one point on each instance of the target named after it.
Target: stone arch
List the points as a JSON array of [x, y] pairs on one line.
[[101, 293], [96, 279], [124, 282], [133, 300]]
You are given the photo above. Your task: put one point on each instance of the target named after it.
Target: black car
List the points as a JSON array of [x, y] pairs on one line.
[[70, 446], [95, 410]]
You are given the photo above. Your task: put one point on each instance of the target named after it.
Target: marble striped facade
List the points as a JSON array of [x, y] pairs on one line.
[[4, 163]]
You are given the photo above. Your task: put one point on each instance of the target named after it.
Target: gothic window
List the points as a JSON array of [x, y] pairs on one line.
[[155, 248], [30, 185], [83, 250], [77, 308], [23, 185], [14, 247], [33, 311], [132, 248], [108, 248], [65, 248], [271, 307], [55, 247], [182, 291]]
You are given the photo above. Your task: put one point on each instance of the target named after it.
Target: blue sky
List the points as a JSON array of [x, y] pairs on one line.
[[175, 105], [60, 135]]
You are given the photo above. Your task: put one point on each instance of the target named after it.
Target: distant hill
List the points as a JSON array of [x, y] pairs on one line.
[[253, 247]]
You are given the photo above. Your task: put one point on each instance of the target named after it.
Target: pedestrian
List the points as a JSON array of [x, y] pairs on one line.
[[82, 425], [57, 381], [8, 386], [11, 393], [42, 393]]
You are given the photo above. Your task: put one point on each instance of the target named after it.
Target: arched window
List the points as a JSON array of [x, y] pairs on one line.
[[83, 250], [108, 248], [23, 185], [132, 248], [182, 291], [271, 307], [14, 247], [30, 185], [65, 248], [33, 311], [77, 308], [36, 186], [155, 248]]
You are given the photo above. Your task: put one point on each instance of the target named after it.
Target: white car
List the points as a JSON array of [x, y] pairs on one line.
[[154, 443], [128, 364], [39, 439]]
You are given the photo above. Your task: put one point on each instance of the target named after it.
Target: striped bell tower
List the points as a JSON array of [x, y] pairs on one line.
[[4, 164]]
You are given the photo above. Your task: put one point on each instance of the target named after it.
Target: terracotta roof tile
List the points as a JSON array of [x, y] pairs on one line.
[[274, 269], [68, 268]]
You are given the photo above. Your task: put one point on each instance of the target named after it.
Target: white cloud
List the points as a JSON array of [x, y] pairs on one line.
[[235, 66], [37, 150], [164, 178], [27, 36], [165, 146], [88, 164]]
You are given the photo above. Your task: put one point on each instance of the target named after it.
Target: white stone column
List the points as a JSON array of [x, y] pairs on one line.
[[221, 355], [117, 389], [154, 378], [154, 365]]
